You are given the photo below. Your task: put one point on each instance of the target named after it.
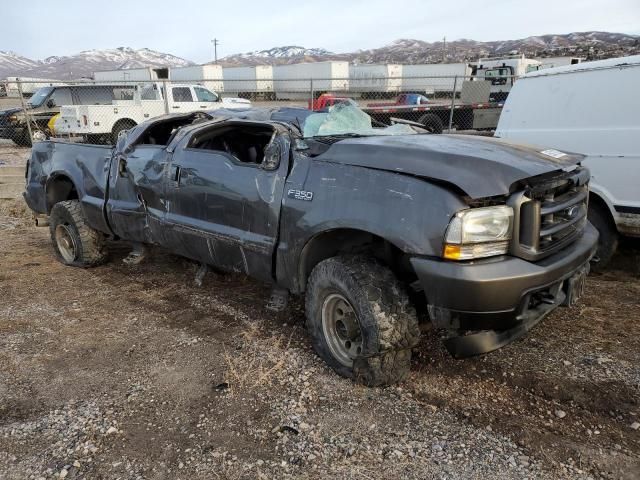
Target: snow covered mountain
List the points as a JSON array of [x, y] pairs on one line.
[[590, 45], [83, 64], [278, 55], [584, 44], [12, 62]]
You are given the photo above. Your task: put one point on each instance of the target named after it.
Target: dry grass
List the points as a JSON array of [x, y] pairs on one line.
[[261, 361]]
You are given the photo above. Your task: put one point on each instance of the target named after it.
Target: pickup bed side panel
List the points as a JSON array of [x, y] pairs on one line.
[[87, 166], [409, 212]]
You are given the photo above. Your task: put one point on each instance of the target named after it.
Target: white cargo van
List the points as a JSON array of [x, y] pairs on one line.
[[590, 108]]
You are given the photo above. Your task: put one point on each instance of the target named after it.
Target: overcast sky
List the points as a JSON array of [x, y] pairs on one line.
[[41, 28]]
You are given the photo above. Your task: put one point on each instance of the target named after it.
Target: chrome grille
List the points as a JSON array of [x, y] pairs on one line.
[[550, 214], [562, 216]]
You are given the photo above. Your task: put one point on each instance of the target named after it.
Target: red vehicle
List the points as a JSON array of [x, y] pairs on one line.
[[418, 108], [327, 100]]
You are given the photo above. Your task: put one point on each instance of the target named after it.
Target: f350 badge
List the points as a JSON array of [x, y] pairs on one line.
[[300, 195]]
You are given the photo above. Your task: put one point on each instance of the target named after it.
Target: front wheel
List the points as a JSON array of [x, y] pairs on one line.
[[360, 320], [22, 139], [74, 242]]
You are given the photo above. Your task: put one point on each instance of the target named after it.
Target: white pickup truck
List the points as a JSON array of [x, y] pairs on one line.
[[139, 102]]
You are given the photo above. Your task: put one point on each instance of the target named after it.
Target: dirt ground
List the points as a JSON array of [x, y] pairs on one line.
[[134, 372]]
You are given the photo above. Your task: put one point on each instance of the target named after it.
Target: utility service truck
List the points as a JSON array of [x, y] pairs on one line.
[[99, 123], [502, 72]]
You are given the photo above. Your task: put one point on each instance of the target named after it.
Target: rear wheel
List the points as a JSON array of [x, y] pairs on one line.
[[608, 240], [74, 242], [432, 122], [120, 126], [360, 320]]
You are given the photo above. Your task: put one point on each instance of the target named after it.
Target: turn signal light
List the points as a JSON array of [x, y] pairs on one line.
[[452, 252]]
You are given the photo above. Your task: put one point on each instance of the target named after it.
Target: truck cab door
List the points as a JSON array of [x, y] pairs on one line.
[[206, 99], [135, 207], [224, 194], [181, 99]]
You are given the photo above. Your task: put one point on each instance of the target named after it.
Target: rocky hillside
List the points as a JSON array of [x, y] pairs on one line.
[[591, 45], [279, 55]]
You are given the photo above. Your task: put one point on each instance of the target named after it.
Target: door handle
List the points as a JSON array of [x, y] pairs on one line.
[[175, 174], [176, 106], [122, 167], [203, 106]]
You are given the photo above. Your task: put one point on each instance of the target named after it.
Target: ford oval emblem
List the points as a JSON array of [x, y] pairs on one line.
[[573, 211]]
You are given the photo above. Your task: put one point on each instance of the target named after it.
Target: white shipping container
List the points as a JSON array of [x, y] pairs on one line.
[[209, 76], [257, 79], [132, 74], [294, 81], [375, 78], [435, 77]]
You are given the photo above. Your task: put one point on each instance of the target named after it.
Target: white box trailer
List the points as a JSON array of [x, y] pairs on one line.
[[551, 62], [249, 81], [295, 81], [28, 85], [209, 76], [132, 74], [434, 77], [385, 78]]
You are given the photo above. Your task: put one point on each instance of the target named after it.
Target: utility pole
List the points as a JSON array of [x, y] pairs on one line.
[[215, 49], [444, 49]]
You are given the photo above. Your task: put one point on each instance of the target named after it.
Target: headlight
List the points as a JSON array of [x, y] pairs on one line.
[[478, 232], [13, 118]]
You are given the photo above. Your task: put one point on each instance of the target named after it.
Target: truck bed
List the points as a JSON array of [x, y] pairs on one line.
[[60, 165]]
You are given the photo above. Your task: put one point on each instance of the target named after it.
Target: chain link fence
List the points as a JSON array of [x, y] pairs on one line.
[[96, 112]]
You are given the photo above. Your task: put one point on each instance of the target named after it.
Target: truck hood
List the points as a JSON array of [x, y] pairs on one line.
[[9, 111], [480, 166], [235, 102]]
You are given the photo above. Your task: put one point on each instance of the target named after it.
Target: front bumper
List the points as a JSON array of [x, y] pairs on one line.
[[489, 303]]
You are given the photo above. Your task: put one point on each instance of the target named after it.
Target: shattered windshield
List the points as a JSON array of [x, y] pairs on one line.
[[347, 119]]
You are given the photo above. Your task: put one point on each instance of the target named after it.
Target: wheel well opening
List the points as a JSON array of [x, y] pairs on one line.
[[596, 202], [59, 189], [351, 241], [124, 122]]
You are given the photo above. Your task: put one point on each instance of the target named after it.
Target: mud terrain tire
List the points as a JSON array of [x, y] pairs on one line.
[[74, 242], [387, 321]]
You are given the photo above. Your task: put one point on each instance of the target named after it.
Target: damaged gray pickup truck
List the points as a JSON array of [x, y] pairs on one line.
[[377, 227]]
